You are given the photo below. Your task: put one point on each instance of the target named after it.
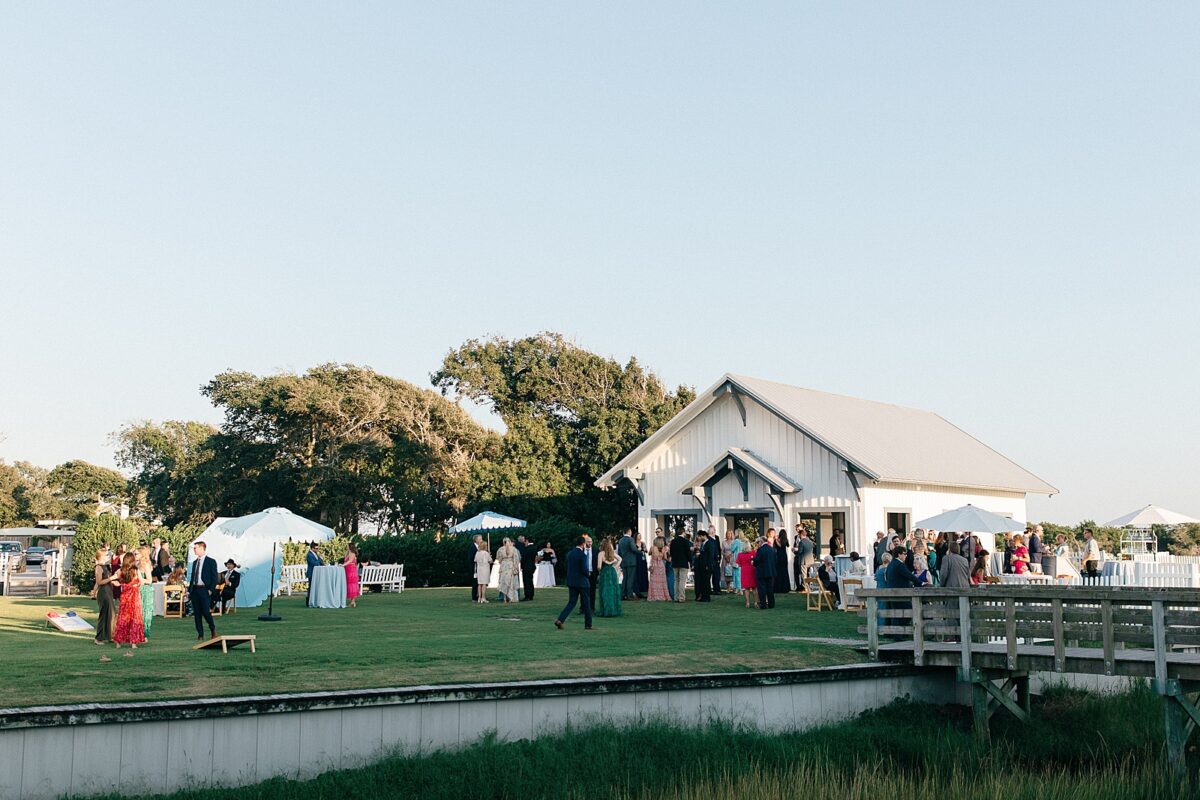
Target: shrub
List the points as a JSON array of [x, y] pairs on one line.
[[332, 551], [430, 558], [89, 536]]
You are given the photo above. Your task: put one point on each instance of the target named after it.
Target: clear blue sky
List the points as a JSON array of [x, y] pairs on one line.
[[988, 210]]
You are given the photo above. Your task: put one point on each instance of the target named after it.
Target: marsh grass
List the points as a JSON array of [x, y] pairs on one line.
[[1078, 747]]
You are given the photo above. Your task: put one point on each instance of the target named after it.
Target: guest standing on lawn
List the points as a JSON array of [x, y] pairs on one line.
[[578, 586], [746, 573], [681, 559], [508, 561], [658, 572], [104, 596], [783, 580], [765, 563], [528, 553], [736, 548], [202, 581], [483, 572], [350, 564], [641, 587], [145, 567], [472, 551], [610, 585], [130, 629], [702, 569], [627, 551]]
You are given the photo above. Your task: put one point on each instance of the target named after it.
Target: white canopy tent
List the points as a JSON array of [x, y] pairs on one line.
[[250, 540]]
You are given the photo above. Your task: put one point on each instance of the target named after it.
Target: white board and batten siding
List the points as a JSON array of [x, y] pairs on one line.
[[821, 473], [904, 461]]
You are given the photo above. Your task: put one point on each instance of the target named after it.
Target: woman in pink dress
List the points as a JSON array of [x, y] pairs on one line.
[[658, 572], [131, 630], [350, 564], [1020, 556], [745, 562]]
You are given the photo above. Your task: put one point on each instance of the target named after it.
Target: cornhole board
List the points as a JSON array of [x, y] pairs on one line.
[[69, 624], [225, 642]]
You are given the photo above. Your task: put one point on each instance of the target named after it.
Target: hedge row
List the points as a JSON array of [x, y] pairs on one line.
[[436, 558]]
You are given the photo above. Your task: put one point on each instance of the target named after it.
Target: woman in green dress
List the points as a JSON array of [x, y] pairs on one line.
[[146, 574], [608, 586]]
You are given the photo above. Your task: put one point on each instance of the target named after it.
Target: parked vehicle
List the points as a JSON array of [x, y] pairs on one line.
[[16, 558], [35, 555]]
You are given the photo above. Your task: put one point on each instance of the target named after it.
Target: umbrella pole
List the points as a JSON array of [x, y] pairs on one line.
[[270, 616]]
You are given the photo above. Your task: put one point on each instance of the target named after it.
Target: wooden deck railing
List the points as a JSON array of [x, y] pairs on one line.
[[1138, 632]]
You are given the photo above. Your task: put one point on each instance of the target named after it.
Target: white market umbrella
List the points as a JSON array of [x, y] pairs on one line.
[[970, 519], [1150, 516], [250, 542], [277, 525], [487, 521]]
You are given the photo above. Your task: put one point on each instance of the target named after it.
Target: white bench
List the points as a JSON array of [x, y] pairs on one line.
[[292, 576], [388, 577]]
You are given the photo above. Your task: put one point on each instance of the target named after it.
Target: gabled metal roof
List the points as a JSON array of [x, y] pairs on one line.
[[881, 441], [750, 462]]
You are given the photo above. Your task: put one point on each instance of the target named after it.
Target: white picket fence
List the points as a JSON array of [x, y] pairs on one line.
[[1165, 558]]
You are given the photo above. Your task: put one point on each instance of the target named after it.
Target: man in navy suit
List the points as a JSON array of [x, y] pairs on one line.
[[578, 585], [766, 566], [202, 582], [627, 551]]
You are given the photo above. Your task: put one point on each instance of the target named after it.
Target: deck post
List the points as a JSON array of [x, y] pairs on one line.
[[1178, 726], [1010, 631], [873, 627], [1060, 644], [1159, 617], [980, 700], [1106, 625], [918, 618], [1022, 682], [964, 634]]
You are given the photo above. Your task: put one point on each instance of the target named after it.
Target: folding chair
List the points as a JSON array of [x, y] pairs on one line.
[[850, 601], [173, 601], [816, 589]]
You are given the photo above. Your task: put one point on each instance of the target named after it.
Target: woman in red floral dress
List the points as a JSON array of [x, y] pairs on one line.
[[130, 628]]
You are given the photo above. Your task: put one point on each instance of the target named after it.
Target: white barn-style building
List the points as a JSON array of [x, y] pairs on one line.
[[755, 453]]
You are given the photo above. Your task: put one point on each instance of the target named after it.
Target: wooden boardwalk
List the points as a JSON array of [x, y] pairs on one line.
[[995, 636]]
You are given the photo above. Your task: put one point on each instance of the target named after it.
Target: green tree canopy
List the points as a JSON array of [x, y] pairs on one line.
[[80, 482], [337, 443], [570, 414]]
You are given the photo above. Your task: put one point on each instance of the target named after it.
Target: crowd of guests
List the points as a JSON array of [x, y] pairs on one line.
[[601, 577], [124, 582]]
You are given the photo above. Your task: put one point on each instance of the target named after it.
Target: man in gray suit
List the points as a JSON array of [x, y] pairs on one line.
[[627, 551], [955, 570]]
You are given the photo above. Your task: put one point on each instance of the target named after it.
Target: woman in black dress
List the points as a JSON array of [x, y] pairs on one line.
[[104, 597], [783, 583]]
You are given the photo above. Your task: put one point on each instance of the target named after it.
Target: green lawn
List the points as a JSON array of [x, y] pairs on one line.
[[419, 637]]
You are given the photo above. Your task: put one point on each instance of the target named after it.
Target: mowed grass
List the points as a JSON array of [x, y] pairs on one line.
[[423, 636]]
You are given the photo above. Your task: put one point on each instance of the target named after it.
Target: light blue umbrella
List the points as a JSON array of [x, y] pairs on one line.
[[970, 519], [250, 541], [487, 521]]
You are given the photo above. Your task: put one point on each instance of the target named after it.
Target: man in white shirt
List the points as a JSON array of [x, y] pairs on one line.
[[1091, 555]]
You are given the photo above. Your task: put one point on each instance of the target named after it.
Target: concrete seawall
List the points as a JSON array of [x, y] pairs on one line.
[[150, 747]]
